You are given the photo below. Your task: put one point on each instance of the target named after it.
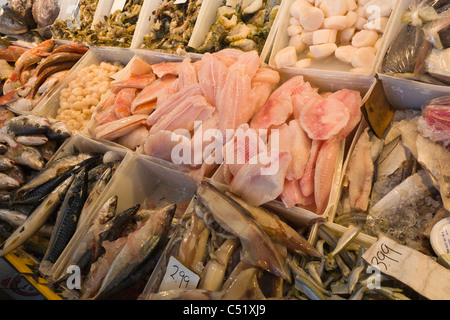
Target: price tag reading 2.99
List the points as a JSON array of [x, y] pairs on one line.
[[385, 252], [177, 276]]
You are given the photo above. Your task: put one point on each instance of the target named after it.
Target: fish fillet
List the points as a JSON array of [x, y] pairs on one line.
[[212, 76]]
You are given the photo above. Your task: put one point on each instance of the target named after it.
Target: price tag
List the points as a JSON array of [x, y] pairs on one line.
[[410, 267], [117, 5], [177, 276]]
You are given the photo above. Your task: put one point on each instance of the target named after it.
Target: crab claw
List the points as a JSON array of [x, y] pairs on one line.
[[118, 128]]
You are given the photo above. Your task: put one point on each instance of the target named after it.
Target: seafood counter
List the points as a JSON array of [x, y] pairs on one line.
[[147, 136]]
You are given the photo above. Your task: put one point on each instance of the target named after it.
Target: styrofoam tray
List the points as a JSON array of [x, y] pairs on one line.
[[49, 106], [332, 68]]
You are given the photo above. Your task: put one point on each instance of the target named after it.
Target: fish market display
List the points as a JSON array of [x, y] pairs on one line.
[[118, 28], [350, 32], [78, 28], [37, 72], [420, 50], [146, 109], [310, 127], [241, 24], [395, 185], [172, 26], [78, 101]]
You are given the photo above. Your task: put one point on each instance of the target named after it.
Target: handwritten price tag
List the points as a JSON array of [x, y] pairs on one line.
[[411, 267], [177, 276]]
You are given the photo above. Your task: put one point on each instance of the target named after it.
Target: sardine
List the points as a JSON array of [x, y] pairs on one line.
[[26, 155], [8, 183], [66, 221], [16, 218], [6, 163], [36, 219], [28, 125], [10, 22], [140, 245], [58, 131], [32, 140], [259, 249]]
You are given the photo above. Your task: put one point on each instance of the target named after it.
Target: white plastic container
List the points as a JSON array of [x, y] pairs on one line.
[[410, 94], [440, 237], [49, 106], [331, 67]]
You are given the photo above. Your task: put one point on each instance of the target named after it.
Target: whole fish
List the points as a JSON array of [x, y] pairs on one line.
[[7, 183], [66, 221], [140, 245], [83, 254], [55, 59], [5, 163], [32, 140], [26, 155], [10, 22], [28, 125], [259, 250], [58, 131], [72, 48], [12, 53], [94, 194], [31, 57], [16, 218], [36, 219], [47, 73], [61, 167], [16, 172]]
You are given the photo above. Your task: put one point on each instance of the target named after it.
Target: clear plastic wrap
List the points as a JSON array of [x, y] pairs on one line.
[[435, 121], [425, 30]]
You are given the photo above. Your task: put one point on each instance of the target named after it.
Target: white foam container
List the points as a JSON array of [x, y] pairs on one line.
[[135, 181], [331, 69], [49, 106]]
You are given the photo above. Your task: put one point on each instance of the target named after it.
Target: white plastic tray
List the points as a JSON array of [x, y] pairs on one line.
[[330, 69]]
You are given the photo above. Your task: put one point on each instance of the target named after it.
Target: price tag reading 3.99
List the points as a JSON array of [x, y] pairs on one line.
[[177, 276], [383, 253]]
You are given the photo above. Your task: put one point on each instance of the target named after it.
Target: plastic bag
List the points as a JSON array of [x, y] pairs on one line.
[[426, 27], [435, 121]]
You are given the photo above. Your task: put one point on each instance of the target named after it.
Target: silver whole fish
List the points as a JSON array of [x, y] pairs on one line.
[[7, 183], [28, 124], [36, 219], [15, 218]]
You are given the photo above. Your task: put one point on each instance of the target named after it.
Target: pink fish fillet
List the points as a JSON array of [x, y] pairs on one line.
[[352, 100], [161, 144], [235, 103], [138, 82], [322, 119], [212, 76], [324, 173], [257, 187], [172, 102], [292, 195], [163, 68], [360, 174], [307, 180], [122, 105], [305, 98], [139, 67], [186, 74], [228, 55], [300, 150], [118, 128], [248, 61], [184, 115], [279, 107], [152, 91], [263, 84]]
